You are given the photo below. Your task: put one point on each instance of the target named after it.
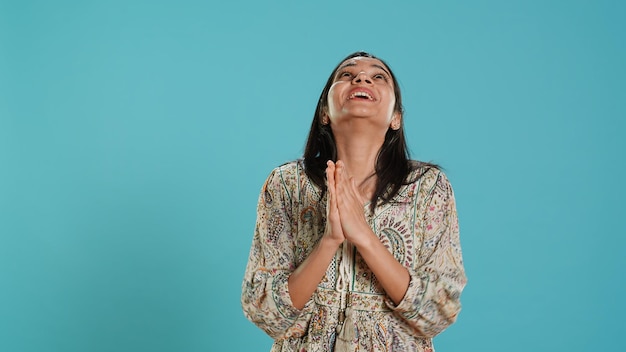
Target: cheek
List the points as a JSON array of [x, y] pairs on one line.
[[333, 99], [392, 102]]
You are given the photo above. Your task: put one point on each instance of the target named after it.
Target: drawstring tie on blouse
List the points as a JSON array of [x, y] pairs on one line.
[[346, 331]]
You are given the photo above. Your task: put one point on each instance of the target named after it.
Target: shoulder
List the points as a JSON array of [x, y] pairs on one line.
[[285, 178], [424, 172], [429, 178], [292, 166], [288, 172]]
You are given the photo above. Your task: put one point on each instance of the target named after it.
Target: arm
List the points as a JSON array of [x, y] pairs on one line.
[[432, 300], [304, 280], [265, 295], [426, 295], [392, 275]]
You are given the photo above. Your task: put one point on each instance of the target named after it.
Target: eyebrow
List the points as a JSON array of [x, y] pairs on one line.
[[349, 64]]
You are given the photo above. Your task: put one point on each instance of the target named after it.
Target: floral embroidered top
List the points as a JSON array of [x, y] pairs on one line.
[[419, 226]]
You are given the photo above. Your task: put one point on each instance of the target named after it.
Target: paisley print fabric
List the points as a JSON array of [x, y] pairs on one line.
[[419, 226]]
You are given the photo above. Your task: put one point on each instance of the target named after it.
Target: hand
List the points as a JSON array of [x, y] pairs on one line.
[[333, 222], [350, 204]]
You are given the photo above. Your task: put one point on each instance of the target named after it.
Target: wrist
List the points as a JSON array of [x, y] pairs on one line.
[[330, 242], [365, 242]]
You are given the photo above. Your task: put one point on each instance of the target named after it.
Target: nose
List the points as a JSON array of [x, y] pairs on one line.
[[362, 77]]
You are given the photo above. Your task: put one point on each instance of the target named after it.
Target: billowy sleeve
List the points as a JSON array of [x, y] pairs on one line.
[[432, 301], [265, 295]]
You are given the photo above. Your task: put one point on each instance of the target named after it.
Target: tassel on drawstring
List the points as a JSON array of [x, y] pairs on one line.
[[347, 333]]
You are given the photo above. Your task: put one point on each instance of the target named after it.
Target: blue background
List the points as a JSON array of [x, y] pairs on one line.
[[135, 137]]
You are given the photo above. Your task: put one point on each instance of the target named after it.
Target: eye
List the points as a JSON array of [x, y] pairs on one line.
[[344, 74], [380, 76]]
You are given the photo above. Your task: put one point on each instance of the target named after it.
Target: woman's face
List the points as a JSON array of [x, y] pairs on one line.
[[362, 88]]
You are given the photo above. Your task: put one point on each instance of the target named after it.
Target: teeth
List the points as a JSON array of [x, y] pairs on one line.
[[360, 94]]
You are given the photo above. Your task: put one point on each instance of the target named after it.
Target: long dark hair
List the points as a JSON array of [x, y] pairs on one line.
[[393, 163]]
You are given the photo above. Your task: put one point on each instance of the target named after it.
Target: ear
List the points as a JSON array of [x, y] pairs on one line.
[[396, 121], [325, 120]]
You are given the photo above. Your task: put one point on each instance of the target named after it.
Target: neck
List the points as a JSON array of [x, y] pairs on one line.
[[359, 153]]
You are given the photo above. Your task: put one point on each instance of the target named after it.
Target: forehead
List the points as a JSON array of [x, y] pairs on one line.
[[363, 62]]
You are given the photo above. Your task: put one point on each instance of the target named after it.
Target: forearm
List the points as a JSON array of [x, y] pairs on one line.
[[432, 301], [389, 272], [304, 280]]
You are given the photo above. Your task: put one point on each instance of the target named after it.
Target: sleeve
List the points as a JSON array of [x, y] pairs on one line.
[[432, 300], [265, 296]]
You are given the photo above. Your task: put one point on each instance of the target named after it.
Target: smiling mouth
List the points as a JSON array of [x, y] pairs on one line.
[[360, 95]]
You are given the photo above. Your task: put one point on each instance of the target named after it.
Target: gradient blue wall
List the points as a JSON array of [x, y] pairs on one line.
[[135, 137]]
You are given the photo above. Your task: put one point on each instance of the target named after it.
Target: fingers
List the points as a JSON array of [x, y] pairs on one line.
[[330, 173], [333, 224], [348, 200], [340, 176], [339, 181], [346, 190], [356, 191], [330, 177]]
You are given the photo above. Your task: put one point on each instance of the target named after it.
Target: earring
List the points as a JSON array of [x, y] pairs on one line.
[[324, 120], [394, 125]]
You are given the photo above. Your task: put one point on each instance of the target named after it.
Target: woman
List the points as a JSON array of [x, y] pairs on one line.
[[356, 247]]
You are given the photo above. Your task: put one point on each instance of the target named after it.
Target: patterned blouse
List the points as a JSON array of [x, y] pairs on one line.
[[349, 311]]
